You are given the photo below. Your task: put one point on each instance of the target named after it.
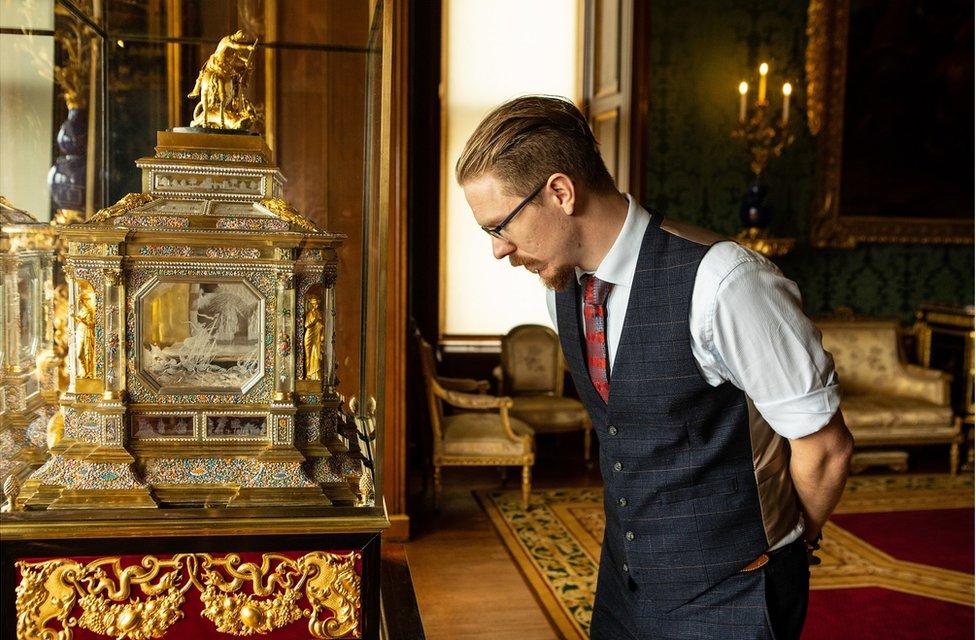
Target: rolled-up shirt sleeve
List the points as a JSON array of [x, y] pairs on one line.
[[764, 344]]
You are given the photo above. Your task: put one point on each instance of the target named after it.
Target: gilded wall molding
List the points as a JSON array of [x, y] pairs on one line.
[[826, 70], [239, 598]]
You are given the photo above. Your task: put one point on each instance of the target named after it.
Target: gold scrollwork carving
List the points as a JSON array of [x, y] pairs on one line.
[[123, 206], [240, 598], [286, 212]]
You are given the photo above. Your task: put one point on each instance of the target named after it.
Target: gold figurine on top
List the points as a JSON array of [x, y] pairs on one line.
[[221, 85]]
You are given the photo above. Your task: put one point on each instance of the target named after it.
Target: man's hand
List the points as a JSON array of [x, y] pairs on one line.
[[819, 464]]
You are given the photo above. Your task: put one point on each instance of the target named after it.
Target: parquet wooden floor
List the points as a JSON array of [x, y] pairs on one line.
[[466, 583]]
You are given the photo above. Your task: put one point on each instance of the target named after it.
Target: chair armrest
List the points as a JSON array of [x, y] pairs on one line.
[[463, 400], [915, 371], [481, 402], [465, 385], [924, 384]]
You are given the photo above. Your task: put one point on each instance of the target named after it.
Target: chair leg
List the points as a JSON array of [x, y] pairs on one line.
[[954, 448], [587, 445], [954, 457], [526, 485], [437, 485]]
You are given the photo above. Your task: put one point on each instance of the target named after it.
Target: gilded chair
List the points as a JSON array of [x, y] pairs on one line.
[[532, 373], [481, 433], [884, 400]]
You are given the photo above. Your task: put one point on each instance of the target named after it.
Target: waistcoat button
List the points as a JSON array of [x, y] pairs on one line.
[[622, 502], [612, 430], [617, 466], [630, 535]]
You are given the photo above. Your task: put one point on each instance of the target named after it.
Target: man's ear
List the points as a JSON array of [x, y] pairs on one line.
[[561, 188]]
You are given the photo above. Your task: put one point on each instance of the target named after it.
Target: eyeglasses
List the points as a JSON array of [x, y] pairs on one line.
[[496, 232]]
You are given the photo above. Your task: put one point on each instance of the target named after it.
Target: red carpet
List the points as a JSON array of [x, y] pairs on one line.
[[873, 613], [940, 538]]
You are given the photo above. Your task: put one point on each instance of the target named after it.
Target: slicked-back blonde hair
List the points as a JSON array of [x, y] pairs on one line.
[[524, 141]]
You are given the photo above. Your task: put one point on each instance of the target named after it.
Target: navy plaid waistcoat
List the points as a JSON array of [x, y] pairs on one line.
[[680, 492]]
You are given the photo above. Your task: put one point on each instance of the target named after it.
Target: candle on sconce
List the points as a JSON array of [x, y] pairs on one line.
[[743, 90], [763, 71], [787, 90]]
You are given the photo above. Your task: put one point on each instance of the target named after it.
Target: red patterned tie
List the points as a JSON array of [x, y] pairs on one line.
[[595, 294]]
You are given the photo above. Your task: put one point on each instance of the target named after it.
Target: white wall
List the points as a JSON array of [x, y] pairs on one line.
[[495, 51], [26, 106]]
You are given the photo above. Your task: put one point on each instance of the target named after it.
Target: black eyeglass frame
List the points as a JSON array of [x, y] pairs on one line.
[[496, 231]]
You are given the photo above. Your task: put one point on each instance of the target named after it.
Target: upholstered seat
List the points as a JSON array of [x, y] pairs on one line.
[[481, 433], [555, 412], [884, 400], [532, 373]]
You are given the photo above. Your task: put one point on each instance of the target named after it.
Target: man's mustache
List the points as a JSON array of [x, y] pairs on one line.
[[518, 262]]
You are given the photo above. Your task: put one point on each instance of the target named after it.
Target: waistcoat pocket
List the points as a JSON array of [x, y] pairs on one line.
[[712, 488]]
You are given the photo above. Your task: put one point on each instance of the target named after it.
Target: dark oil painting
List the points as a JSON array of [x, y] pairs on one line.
[[908, 112]]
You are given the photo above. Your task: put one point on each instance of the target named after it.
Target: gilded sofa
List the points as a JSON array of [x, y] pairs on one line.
[[884, 400]]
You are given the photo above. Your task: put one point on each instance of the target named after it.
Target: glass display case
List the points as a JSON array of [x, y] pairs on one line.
[[224, 313], [26, 375]]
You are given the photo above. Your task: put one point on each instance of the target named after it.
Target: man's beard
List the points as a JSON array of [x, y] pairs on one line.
[[558, 281]]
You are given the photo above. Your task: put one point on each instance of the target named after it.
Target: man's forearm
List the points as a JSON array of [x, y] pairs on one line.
[[819, 465]]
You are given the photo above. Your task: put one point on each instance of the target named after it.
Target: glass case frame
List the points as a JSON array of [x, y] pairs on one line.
[[358, 318]]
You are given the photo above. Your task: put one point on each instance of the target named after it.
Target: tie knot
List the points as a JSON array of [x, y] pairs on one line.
[[596, 291]]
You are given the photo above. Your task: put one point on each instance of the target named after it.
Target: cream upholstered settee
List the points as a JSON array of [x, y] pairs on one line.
[[884, 400]]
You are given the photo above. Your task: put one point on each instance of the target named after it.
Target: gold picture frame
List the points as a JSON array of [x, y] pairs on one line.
[[828, 24]]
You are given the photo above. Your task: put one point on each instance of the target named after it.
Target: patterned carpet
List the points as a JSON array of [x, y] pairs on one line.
[[556, 544]]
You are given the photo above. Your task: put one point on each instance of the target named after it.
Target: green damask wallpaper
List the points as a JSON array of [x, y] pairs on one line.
[[700, 50]]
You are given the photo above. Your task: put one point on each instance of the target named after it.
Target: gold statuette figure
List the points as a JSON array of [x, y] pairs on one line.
[[314, 332], [221, 85], [86, 332]]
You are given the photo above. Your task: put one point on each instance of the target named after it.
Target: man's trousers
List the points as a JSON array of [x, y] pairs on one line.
[[769, 603]]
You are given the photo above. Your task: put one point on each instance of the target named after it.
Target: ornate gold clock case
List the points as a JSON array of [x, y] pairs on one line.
[[202, 361]]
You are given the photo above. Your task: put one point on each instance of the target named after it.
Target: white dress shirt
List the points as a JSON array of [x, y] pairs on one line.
[[747, 327]]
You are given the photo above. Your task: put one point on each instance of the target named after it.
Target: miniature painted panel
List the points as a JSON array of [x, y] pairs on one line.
[[201, 335], [192, 182], [177, 207], [237, 427], [161, 426], [28, 278]]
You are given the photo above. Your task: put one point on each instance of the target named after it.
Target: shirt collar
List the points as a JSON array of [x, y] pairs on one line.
[[619, 264]]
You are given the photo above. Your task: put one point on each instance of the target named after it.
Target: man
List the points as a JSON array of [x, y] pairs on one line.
[[722, 447]]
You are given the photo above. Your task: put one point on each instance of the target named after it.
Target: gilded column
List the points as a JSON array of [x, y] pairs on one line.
[[330, 332], [285, 338], [69, 277], [12, 300], [114, 319]]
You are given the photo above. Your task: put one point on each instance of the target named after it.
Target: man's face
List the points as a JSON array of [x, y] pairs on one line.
[[540, 237]]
